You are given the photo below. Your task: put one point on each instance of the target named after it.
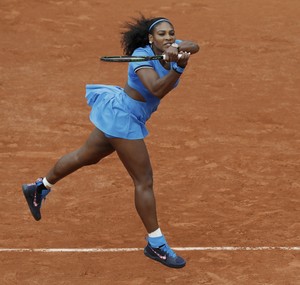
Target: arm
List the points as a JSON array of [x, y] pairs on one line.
[[188, 47], [184, 46], [160, 87]]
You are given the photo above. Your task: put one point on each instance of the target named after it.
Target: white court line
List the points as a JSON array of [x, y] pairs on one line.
[[221, 248]]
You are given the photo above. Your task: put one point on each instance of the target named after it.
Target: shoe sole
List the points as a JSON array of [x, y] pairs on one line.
[[28, 199], [162, 261]]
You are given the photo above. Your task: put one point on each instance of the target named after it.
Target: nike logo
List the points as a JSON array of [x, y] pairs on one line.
[[164, 257], [34, 200]]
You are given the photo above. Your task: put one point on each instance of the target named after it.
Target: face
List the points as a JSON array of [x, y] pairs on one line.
[[163, 36]]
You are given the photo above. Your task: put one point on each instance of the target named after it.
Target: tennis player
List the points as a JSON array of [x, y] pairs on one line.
[[119, 116]]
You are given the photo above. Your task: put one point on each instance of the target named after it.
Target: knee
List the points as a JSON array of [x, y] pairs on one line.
[[87, 159], [144, 183]]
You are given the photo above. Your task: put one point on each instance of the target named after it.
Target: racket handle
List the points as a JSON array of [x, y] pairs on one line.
[[179, 56]]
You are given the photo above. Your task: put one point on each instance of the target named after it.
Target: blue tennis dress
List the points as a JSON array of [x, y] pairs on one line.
[[114, 112]]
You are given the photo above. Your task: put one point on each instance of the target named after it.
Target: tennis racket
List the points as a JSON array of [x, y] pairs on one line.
[[127, 58]]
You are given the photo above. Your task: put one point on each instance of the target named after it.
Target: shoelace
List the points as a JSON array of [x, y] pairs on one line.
[[168, 250], [39, 197], [44, 194]]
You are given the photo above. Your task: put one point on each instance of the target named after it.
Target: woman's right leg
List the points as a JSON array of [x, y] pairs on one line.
[[134, 155], [94, 149]]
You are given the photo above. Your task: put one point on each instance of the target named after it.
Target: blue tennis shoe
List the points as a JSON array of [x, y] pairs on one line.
[[35, 193], [158, 249]]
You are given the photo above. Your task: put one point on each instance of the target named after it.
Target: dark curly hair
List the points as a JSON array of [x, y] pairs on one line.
[[136, 33]]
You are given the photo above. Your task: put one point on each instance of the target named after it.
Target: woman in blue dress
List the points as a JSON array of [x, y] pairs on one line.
[[119, 116]]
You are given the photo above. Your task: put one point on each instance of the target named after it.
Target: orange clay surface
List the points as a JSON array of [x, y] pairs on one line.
[[224, 145]]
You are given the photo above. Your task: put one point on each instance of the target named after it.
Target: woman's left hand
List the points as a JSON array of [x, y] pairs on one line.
[[183, 58]]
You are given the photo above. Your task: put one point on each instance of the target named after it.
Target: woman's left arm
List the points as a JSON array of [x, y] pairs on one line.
[[188, 47]]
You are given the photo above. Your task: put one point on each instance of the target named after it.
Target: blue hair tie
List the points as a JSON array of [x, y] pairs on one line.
[[158, 21]]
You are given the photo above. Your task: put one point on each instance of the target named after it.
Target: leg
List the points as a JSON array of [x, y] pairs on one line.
[[134, 155], [95, 148]]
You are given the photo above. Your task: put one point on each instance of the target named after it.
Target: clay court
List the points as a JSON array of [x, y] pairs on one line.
[[224, 145]]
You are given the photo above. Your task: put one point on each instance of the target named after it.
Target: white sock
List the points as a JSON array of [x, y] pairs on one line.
[[156, 233], [47, 184]]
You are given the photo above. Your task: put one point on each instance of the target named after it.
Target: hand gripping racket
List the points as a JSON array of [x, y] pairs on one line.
[[126, 58]]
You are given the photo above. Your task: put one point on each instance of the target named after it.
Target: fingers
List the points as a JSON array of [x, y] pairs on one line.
[[176, 57], [171, 57], [183, 60], [183, 55]]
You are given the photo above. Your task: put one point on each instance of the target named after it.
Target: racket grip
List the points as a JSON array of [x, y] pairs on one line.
[[179, 56]]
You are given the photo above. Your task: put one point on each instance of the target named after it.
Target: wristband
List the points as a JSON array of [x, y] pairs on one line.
[[177, 68]]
